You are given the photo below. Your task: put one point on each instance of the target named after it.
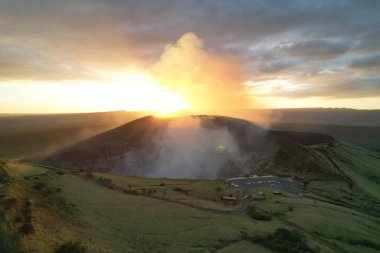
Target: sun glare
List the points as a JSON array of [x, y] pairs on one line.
[[141, 92], [131, 92]]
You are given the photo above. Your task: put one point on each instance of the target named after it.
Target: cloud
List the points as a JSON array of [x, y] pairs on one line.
[[206, 79], [21, 63], [329, 86], [276, 66], [366, 62], [317, 49], [75, 39]]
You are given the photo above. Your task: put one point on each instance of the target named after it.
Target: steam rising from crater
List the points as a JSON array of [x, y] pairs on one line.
[[185, 148], [188, 150], [206, 79]]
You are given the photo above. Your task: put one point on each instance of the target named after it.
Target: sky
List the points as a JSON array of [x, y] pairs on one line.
[[165, 55]]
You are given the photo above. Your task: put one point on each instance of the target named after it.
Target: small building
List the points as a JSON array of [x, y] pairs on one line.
[[229, 198]]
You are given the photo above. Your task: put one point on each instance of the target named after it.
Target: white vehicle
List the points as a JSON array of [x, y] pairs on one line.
[[246, 196], [235, 185]]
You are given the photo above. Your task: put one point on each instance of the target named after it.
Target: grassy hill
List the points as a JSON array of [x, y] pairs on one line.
[[66, 207], [28, 135], [328, 116], [365, 136], [147, 136], [339, 171]]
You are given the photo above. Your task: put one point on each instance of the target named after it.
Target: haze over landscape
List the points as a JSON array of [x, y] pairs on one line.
[[189, 126]]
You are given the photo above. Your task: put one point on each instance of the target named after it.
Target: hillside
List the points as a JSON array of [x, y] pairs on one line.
[[365, 136], [40, 134], [204, 143], [26, 135], [327, 116], [338, 171], [43, 210]]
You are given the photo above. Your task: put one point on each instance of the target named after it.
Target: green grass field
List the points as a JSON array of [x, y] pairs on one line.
[[363, 168], [108, 220], [205, 193], [335, 223]]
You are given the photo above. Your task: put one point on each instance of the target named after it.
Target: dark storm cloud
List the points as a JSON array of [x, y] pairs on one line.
[[366, 62], [276, 66], [317, 49], [100, 34]]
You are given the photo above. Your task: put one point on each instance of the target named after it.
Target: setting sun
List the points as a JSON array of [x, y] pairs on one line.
[[137, 91], [131, 91]]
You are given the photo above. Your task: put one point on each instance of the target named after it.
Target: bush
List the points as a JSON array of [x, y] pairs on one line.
[[365, 243], [4, 177], [26, 229], [278, 214], [38, 186], [131, 192], [9, 203], [282, 240], [290, 208], [179, 189], [258, 215], [107, 183], [70, 247], [218, 189], [89, 174]]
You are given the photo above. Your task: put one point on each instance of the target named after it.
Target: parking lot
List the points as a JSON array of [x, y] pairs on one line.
[[283, 184]]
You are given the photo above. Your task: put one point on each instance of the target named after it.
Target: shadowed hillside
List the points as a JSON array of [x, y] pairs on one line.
[[207, 143], [40, 134]]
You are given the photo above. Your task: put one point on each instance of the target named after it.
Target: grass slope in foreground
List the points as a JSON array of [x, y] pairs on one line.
[[66, 207]]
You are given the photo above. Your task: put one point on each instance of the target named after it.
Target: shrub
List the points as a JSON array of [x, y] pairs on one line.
[[282, 240], [131, 192], [107, 183], [26, 229], [9, 203], [278, 213], [70, 247], [4, 177], [38, 186], [89, 174], [258, 215], [365, 243], [179, 189], [290, 208], [218, 189]]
